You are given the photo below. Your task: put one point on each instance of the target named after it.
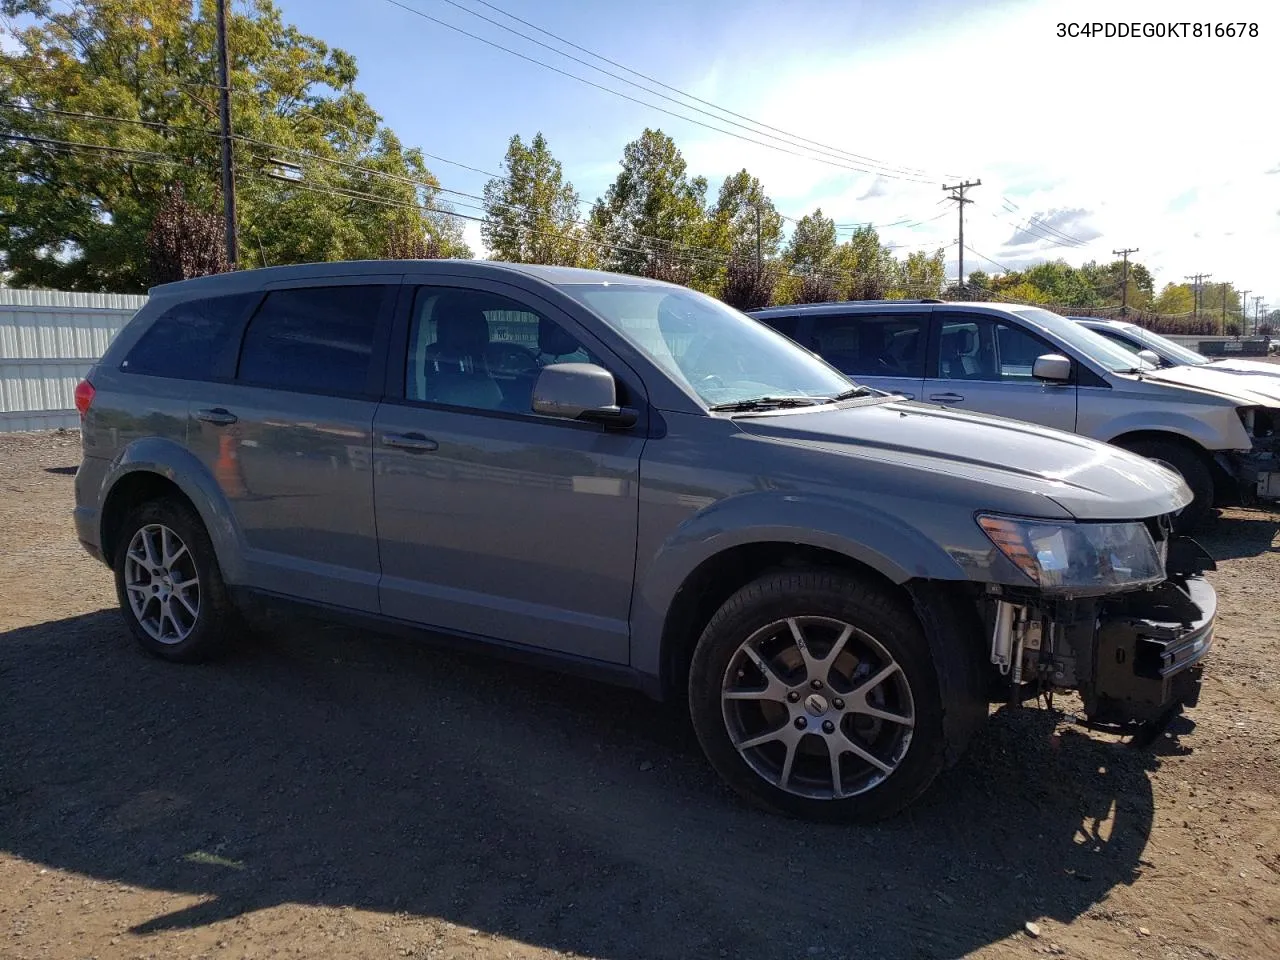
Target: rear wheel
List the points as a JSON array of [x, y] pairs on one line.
[[1193, 469], [815, 695], [168, 583]]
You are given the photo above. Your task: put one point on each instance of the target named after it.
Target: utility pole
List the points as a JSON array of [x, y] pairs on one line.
[[224, 122], [957, 194], [1225, 285], [1257, 312], [1199, 278], [759, 245], [1124, 283]]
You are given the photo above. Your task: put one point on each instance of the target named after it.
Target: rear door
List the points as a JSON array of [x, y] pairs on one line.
[[882, 349], [289, 437], [983, 363]]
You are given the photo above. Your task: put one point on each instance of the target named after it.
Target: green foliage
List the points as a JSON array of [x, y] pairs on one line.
[[920, 275], [78, 219], [740, 209], [531, 213], [1175, 298], [812, 245], [653, 212]]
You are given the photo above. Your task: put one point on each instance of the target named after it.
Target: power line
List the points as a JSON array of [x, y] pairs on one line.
[[814, 145], [989, 260], [651, 106]]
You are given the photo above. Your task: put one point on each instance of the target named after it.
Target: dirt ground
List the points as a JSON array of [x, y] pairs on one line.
[[323, 793]]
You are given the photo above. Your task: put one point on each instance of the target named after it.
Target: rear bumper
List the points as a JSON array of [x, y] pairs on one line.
[[1150, 647], [88, 519]]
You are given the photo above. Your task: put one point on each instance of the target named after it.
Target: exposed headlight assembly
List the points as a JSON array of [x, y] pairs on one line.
[[1079, 558]]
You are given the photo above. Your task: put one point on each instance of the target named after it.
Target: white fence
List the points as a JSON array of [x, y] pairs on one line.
[[48, 341]]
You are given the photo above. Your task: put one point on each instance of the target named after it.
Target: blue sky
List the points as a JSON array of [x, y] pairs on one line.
[[1167, 145]]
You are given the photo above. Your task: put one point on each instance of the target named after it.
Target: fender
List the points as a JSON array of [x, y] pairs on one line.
[[1199, 430], [883, 542], [189, 474]]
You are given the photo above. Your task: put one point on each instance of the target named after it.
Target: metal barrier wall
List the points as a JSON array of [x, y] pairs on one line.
[[48, 341]]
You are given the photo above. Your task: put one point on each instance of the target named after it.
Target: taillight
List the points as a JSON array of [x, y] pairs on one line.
[[84, 396]]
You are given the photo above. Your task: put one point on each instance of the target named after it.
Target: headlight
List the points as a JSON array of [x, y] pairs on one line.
[[1077, 557]]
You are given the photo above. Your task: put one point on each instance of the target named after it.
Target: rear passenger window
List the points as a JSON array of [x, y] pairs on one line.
[[313, 339], [872, 344], [188, 339]]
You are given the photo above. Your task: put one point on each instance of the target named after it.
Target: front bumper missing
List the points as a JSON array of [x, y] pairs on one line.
[[1149, 648], [1257, 473]]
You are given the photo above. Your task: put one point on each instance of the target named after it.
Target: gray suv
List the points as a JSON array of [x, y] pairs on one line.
[[629, 479], [1032, 364]]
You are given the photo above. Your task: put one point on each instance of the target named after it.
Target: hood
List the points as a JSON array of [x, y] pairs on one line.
[[1241, 388], [1260, 368], [1088, 479]]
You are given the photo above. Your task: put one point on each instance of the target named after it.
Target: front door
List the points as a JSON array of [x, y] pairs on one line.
[[495, 521], [984, 364], [289, 439]]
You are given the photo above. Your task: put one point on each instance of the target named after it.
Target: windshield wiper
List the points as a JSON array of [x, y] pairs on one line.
[[854, 392], [767, 403]]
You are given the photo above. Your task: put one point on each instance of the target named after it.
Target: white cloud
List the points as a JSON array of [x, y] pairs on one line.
[[1149, 142]]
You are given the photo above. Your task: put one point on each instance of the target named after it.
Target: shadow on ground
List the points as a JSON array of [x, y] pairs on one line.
[[1242, 533], [325, 767]]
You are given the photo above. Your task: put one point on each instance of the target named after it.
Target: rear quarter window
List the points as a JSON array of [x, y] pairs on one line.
[[188, 340]]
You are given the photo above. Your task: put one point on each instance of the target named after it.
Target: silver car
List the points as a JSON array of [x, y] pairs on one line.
[[1262, 377], [1030, 364]]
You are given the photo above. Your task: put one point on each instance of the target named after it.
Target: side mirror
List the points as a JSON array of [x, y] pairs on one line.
[[580, 391], [1052, 366], [1149, 356]]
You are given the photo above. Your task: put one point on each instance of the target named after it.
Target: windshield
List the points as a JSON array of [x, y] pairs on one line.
[[724, 356], [1169, 349], [1093, 345]]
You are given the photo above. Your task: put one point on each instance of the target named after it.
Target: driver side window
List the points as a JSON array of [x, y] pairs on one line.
[[872, 345], [469, 348]]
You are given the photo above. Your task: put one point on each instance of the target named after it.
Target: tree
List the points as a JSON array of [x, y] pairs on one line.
[[920, 275], [408, 243], [742, 206], [185, 241], [652, 215], [1062, 284], [77, 217], [531, 213], [747, 287], [867, 268], [1176, 299], [813, 243]]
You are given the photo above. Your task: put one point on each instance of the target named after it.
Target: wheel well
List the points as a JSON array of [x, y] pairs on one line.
[[1221, 480], [717, 578], [128, 492]]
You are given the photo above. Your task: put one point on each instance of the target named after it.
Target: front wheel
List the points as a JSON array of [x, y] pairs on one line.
[[1193, 470], [815, 695]]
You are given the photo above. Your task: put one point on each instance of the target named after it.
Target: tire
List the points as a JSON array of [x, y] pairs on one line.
[[1193, 469], [181, 569], [883, 631]]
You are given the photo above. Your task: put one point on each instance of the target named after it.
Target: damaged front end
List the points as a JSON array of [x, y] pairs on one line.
[[1133, 656], [1257, 470]]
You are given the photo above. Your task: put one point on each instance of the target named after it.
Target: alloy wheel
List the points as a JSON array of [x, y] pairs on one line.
[[162, 584], [818, 707]]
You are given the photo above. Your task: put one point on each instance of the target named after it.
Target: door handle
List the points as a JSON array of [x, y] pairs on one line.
[[217, 416], [411, 442], [946, 397]]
